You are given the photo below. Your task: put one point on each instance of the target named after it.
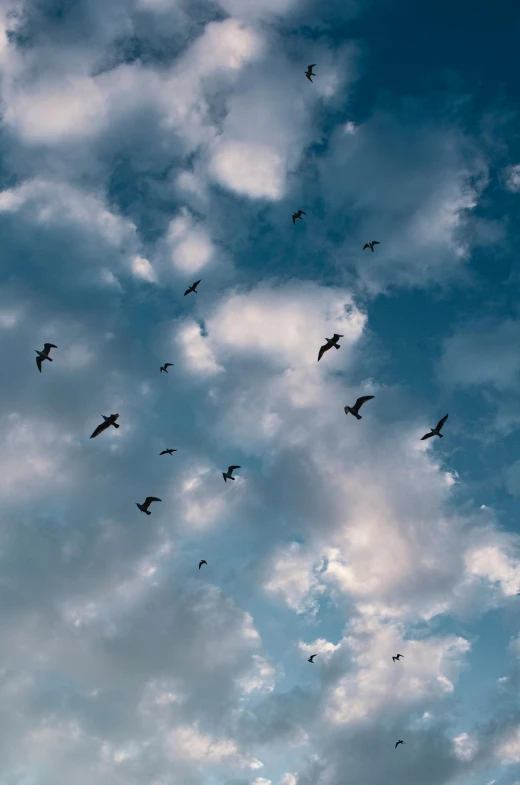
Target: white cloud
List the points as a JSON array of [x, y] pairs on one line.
[[513, 178], [465, 747], [191, 248], [292, 576], [492, 563], [250, 169], [142, 268], [508, 749]]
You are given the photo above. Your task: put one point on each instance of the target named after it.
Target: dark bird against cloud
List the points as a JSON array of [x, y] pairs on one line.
[[169, 451], [164, 368], [297, 215], [397, 656], [371, 245], [108, 421], [227, 475], [311, 658], [202, 561], [192, 288], [437, 430], [309, 73], [398, 742], [330, 343], [44, 355], [149, 499], [357, 406]]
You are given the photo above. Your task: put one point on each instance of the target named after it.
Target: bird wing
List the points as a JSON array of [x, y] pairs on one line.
[[393, 658], [294, 219], [312, 657], [187, 292], [400, 655], [39, 363], [441, 422], [231, 468], [167, 365], [48, 346], [336, 336], [366, 245], [163, 452], [150, 499], [203, 561], [100, 429], [323, 349], [308, 77], [360, 401], [376, 242], [311, 66], [194, 285], [427, 435], [301, 212]]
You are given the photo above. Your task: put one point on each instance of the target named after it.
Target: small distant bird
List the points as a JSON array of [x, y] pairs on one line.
[[311, 658], [371, 245], [308, 72], [165, 367], [170, 451], [149, 499], [108, 421], [297, 215], [357, 406], [330, 343], [398, 742], [227, 475], [202, 561], [437, 430], [192, 288], [44, 355], [397, 656]]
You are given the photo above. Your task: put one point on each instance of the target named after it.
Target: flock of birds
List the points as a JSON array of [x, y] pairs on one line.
[[111, 420]]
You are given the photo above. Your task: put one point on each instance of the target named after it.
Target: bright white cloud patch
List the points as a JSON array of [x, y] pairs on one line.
[[249, 169], [191, 248]]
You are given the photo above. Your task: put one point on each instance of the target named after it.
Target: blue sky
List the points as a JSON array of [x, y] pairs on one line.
[[146, 144]]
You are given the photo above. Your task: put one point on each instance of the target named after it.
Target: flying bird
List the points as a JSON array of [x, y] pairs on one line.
[[44, 355], [371, 245], [399, 742], [165, 367], [311, 658], [149, 499], [170, 451], [437, 430], [227, 475], [202, 561], [192, 288], [297, 215], [397, 656], [330, 343], [308, 72], [357, 406], [107, 422]]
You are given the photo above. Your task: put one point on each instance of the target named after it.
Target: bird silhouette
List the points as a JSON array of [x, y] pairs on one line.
[[149, 499], [164, 368], [308, 72], [437, 430], [357, 406], [330, 343], [170, 451], [397, 656], [296, 215], [44, 355], [192, 288], [399, 742], [371, 245], [311, 658], [202, 561], [107, 422], [227, 475]]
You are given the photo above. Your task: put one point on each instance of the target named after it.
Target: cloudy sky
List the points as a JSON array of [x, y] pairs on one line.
[[146, 144]]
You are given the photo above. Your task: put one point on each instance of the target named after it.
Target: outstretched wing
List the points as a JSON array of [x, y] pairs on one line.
[[163, 452], [187, 292], [194, 285], [323, 349], [376, 242], [366, 245], [202, 562], [427, 436], [167, 365], [441, 422], [231, 468], [150, 499], [308, 77], [100, 429], [301, 212], [294, 219], [48, 346], [39, 363], [336, 336], [360, 401], [311, 66]]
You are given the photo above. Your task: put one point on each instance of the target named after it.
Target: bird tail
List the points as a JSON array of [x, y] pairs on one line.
[[358, 416], [337, 346], [115, 425], [147, 512], [224, 476], [440, 435], [232, 478], [48, 358]]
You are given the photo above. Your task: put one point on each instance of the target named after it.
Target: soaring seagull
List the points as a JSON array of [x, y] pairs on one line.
[[397, 656], [164, 368], [192, 288], [311, 658], [149, 499], [170, 451], [227, 475], [330, 343], [296, 215], [399, 742], [308, 72], [44, 355], [202, 561], [371, 245], [107, 422], [357, 406], [437, 430]]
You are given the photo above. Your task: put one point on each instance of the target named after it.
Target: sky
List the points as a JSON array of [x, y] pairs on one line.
[[146, 144]]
